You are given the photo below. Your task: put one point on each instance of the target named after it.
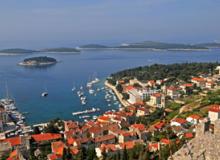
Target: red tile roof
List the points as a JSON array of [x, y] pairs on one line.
[[74, 151], [104, 138], [57, 147], [187, 85], [165, 141], [53, 157], [140, 127], [198, 79], [179, 120], [46, 137], [159, 125], [103, 119], [13, 155], [128, 88], [156, 95], [14, 141], [126, 134], [108, 147], [214, 108], [195, 116], [188, 135]]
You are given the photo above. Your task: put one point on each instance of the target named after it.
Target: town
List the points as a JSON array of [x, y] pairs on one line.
[[168, 118]]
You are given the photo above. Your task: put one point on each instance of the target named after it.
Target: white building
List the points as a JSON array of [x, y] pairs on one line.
[[214, 112]]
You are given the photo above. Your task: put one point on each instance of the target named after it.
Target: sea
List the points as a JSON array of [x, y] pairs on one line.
[[25, 84]]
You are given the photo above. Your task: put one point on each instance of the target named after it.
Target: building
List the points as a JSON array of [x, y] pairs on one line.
[[214, 112], [173, 92], [193, 119], [134, 95], [155, 99], [142, 112], [200, 82], [178, 122]]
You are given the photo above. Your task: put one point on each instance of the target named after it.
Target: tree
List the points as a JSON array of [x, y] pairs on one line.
[[125, 96], [125, 154], [119, 88]]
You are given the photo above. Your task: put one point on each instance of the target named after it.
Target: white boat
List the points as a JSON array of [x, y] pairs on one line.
[[73, 89], [91, 91], [44, 94]]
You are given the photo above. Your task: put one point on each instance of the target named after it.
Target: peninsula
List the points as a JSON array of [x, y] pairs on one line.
[[38, 61]]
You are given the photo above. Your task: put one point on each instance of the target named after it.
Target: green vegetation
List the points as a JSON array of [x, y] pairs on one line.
[[174, 72], [211, 98], [39, 60], [209, 45], [54, 126], [61, 50]]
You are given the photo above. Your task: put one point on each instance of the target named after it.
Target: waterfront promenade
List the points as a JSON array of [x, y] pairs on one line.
[[119, 96]]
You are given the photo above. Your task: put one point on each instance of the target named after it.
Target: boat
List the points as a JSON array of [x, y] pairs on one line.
[[91, 91], [85, 116], [73, 89], [44, 94]]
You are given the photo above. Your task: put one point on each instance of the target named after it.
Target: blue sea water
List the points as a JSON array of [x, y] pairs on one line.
[[27, 84]]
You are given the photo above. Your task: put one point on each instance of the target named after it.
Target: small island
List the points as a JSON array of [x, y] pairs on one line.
[[38, 61], [61, 50]]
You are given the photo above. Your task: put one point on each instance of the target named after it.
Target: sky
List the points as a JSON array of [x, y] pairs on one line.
[[68, 23]]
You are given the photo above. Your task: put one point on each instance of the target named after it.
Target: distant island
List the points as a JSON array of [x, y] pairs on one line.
[[38, 61], [161, 45], [93, 46], [61, 50], [17, 51]]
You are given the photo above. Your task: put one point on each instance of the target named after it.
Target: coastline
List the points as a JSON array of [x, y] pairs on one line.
[[118, 95], [36, 64]]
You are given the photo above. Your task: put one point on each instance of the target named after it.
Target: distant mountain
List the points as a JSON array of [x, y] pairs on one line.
[[17, 51], [209, 45], [61, 50], [93, 46], [160, 45]]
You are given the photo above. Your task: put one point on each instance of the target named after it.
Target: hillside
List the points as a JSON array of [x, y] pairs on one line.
[[17, 51], [93, 46]]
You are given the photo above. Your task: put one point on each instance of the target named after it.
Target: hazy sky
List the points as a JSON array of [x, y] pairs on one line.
[[56, 23]]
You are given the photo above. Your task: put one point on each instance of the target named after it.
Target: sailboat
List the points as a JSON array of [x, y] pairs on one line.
[[74, 88], [45, 93]]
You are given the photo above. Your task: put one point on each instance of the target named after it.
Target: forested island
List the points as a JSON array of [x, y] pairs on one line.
[[38, 61], [94, 46], [176, 71]]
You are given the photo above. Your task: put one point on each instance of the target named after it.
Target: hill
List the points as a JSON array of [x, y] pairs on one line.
[[209, 45], [93, 46]]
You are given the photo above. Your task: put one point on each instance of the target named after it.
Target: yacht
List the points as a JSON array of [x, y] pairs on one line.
[[44, 94]]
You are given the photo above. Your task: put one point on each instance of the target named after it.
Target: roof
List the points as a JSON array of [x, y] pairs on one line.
[[108, 147], [128, 88], [104, 138], [13, 155], [128, 145], [53, 156], [103, 119], [179, 120], [70, 140], [14, 141], [172, 88], [194, 116], [188, 135], [187, 85], [46, 137], [57, 147], [74, 151], [140, 127], [159, 125], [214, 108], [157, 95], [153, 146], [165, 141], [198, 79], [126, 134]]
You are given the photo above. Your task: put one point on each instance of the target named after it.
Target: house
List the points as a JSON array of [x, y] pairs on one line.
[[165, 141], [134, 95], [95, 131], [130, 144], [188, 135], [107, 148], [57, 148], [142, 111], [178, 122], [214, 112], [200, 82], [103, 119], [155, 99], [193, 119], [151, 83], [173, 92], [187, 87], [140, 129], [159, 125], [153, 147], [209, 85], [107, 139], [127, 136]]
